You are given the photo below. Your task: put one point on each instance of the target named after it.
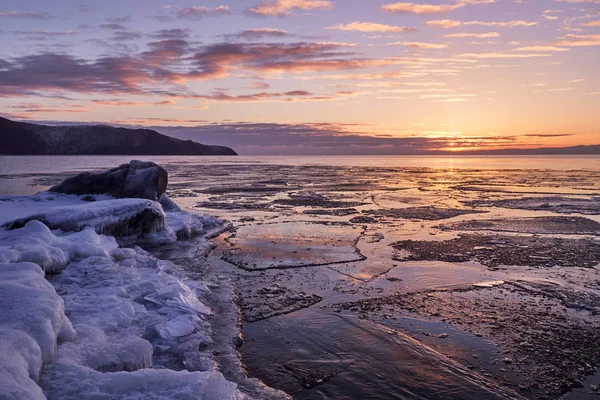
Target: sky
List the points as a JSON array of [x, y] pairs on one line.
[[311, 76]]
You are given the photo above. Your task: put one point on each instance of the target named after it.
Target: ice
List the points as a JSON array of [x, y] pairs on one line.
[[131, 220], [119, 217], [127, 310], [32, 322], [69, 382], [16, 207], [134, 321], [36, 243], [182, 325]]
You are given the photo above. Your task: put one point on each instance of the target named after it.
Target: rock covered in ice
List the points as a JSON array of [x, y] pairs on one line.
[[138, 179], [121, 217], [32, 321]]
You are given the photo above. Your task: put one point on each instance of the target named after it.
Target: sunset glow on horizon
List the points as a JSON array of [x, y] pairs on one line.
[[300, 76]]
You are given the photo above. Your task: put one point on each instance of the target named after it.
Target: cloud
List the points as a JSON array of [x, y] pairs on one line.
[[473, 35], [448, 23], [176, 33], [419, 45], [592, 23], [169, 63], [284, 8], [420, 8], [541, 48], [196, 12], [502, 55], [579, 1], [259, 33], [165, 51], [328, 138], [33, 108], [57, 72], [444, 23], [284, 97], [370, 27], [45, 33], [127, 35], [25, 15], [578, 40], [415, 8], [258, 85], [217, 59], [113, 26]]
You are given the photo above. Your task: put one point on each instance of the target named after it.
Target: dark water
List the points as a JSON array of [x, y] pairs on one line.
[[369, 361]]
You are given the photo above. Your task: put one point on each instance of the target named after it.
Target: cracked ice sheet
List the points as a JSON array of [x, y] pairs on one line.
[[293, 244]]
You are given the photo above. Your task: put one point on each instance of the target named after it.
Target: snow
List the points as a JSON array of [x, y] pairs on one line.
[[110, 322]]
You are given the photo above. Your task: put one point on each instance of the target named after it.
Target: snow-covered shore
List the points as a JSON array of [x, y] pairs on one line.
[[85, 314]]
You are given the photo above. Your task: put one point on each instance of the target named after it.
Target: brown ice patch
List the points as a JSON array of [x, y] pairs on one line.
[[421, 213], [275, 300], [557, 204], [541, 225], [494, 251]]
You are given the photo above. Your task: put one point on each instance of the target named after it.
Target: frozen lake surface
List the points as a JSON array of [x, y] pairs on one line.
[[395, 277]]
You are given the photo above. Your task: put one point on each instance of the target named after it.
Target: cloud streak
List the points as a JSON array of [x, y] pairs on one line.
[[418, 8], [285, 8], [370, 27]]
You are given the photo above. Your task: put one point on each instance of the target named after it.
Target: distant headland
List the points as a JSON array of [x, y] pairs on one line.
[[20, 138]]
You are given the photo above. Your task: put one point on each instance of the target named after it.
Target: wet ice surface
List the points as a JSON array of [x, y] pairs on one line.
[[336, 305], [292, 244]]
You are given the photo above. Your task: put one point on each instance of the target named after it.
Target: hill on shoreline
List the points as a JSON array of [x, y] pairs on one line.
[[21, 138]]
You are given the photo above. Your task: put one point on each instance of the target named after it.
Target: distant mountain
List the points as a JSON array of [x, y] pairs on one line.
[[20, 138], [542, 151]]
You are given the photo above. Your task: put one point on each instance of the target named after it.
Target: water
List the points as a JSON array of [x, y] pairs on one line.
[[10, 165], [290, 240]]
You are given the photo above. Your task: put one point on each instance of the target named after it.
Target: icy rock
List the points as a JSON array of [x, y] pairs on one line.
[[137, 179], [32, 321], [121, 217]]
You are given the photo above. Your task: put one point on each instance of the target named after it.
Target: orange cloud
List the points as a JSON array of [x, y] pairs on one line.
[[475, 35], [444, 23], [448, 23], [282, 8], [415, 8], [370, 27], [419, 45], [502, 55], [579, 40], [420, 8], [541, 48]]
